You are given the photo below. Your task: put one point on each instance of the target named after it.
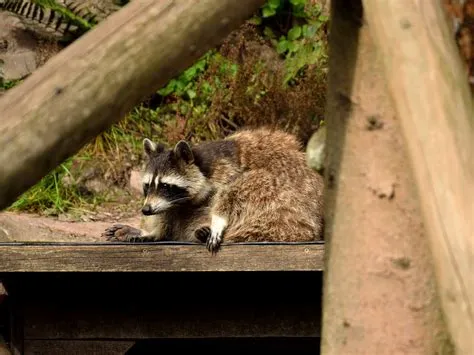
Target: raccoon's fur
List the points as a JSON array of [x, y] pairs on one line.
[[252, 186]]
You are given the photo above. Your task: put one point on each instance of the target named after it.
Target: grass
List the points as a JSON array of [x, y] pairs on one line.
[[50, 195]]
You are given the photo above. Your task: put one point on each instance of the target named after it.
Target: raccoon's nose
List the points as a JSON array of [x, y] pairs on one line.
[[146, 210]]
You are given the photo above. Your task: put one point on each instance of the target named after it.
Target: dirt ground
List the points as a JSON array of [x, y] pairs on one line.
[[23, 227]]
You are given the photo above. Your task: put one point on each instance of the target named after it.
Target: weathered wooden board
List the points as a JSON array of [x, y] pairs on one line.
[[146, 257]]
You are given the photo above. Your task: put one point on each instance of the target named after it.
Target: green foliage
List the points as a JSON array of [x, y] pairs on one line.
[[8, 84], [303, 44], [185, 84]]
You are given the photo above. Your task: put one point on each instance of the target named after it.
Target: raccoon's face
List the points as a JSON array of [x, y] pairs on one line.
[[171, 178]]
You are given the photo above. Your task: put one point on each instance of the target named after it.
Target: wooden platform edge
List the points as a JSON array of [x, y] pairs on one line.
[[160, 258]]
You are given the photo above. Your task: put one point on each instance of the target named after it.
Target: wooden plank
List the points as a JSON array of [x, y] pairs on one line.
[[431, 94], [177, 258], [371, 193], [91, 347], [100, 77]]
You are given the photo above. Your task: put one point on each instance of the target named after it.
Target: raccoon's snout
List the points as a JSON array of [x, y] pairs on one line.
[[146, 210]]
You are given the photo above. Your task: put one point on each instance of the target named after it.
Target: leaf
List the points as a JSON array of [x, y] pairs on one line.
[[191, 94], [297, 2], [168, 89], [310, 32], [293, 46], [282, 46], [234, 68], [304, 30], [256, 20], [274, 4], [268, 12], [294, 33], [267, 31]]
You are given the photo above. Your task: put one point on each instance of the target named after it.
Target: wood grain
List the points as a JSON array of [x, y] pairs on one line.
[[108, 258], [429, 88], [100, 77]]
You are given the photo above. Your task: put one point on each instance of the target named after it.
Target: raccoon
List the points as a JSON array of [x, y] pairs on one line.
[[253, 186]]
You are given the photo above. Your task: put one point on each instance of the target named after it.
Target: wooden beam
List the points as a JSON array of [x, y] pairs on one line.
[[383, 272], [100, 77], [431, 94], [99, 257]]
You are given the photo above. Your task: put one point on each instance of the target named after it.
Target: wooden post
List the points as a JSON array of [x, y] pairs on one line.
[[96, 80], [379, 285], [431, 94]]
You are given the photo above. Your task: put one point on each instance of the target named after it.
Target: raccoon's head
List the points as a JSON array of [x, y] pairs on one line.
[[171, 178]]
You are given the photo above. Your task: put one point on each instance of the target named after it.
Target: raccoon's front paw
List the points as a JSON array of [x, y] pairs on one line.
[[202, 234], [122, 233], [214, 241]]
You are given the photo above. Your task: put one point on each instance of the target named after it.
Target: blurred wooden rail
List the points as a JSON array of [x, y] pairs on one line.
[[433, 101]]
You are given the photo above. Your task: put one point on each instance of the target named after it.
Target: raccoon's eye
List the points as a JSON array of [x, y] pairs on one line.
[[165, 186]]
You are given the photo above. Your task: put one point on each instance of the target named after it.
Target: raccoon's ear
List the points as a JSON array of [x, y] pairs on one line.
[[152, 148], [183, 151]]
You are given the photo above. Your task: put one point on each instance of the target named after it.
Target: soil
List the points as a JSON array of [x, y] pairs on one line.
[[27, 227]]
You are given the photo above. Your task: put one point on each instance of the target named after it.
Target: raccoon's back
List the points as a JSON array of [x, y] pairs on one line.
[[268, 207], [269, 149]]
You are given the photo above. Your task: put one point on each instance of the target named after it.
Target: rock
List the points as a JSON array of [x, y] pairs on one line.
[[316, 149], [135, 183], [17, 49], [18, 227]]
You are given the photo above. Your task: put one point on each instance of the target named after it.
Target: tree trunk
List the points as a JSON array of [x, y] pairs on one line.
[[379, 288]]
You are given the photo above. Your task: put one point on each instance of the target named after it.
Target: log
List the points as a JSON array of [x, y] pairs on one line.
[[100, 77], [379, 288], [428, 86]]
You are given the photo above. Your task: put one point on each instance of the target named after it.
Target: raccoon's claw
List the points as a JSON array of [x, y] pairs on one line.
[[122, 233], [214, 242], [203, 234]]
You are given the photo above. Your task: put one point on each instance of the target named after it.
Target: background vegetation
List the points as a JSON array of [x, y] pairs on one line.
[[271, 71]]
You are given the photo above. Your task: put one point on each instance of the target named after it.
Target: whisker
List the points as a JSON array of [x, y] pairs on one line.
[[181, 199]]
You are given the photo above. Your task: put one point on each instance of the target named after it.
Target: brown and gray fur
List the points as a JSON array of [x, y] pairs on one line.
[[252, 186]]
